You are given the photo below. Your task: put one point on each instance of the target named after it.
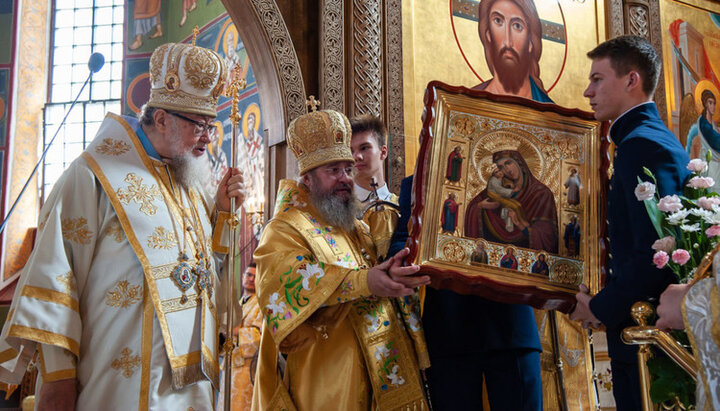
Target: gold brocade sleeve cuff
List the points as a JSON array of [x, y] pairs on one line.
[[221, 233], [354, 286], [56, 363]]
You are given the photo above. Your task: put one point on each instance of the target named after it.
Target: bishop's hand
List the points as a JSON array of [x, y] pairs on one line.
[[231, 185]]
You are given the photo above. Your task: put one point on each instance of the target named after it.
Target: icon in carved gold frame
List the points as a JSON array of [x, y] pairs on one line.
[[525, 222]]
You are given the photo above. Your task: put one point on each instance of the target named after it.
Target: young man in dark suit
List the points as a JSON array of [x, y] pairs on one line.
[[623, 78]]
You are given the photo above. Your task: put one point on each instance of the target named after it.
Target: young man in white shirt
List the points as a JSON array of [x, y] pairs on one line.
[[369, 148]]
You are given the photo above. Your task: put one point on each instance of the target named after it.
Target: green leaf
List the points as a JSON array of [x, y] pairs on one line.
[[656, 216]]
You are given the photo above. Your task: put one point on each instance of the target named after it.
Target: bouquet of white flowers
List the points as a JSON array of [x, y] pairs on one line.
[[688, 227]]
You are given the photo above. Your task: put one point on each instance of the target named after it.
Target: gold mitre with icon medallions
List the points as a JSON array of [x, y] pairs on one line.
[[320, 137], [187, 78]]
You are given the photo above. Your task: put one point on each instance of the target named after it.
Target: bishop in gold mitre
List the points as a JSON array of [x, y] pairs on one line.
[[350, 329], [120, 295]]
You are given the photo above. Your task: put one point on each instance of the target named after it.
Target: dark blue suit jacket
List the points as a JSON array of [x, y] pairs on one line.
[[642, 140], [457, 325]]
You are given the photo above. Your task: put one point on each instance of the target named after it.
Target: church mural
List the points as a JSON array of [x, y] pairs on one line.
[[529, 48], [691, 52]]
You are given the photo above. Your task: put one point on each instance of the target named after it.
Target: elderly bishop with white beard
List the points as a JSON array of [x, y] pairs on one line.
[[121, 293]]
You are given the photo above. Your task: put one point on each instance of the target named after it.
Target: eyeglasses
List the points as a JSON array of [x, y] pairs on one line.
[[200, 127], [337, 171]]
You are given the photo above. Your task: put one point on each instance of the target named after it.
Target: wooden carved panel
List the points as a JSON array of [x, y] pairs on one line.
[[367, 58], [332, 55], [285, 58], [394, 117], [641, 18]]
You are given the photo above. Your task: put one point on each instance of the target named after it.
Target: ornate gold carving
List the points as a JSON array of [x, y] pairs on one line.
[[367, 59], [127, 362], [453, 252], [200, 68], [288, 67], [332, 55], [140, 193], [123, 295], [115, 230], [565, 272], [111, 147], [161, 239], [638, 18], [463, 126], [76, 230], [67, 280]]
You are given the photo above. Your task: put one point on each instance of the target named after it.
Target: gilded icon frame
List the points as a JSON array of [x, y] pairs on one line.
[[544, 142]]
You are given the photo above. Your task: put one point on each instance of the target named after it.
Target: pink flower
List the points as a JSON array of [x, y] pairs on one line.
[[666, 244], [708, 202], [680, 256], [670, 204], [701, 182], [660, 259], [697, 166], [645, 191], [713, 231]]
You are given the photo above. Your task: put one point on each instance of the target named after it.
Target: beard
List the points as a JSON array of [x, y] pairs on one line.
[[334, 208], [511, 73], [191, 171]]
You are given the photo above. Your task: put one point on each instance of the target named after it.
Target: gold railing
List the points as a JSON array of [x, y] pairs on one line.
[[645, 335]]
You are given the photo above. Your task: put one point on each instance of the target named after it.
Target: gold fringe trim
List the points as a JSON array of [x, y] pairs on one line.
[[210, 368], [191, 374]]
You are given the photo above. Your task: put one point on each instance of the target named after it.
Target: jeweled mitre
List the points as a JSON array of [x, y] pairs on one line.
[[186, 78], [319, 138]]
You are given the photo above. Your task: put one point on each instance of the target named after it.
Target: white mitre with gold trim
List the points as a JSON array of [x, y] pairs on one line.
[[186, 78]]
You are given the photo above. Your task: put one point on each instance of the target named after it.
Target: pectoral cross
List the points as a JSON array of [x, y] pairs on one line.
[[312, 103], [196, 31]]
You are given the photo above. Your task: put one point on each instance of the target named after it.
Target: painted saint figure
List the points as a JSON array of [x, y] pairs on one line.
[[709, 133], [146, 15], [454, 165], [448, 220], [511, 34], [572, 237], [509, 260], [531, 209], [540, 266], [479, 255], [573, 185]]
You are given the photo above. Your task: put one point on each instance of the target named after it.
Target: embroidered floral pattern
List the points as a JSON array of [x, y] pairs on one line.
[[76, 230], [115, 231], [161, 239], [123, 295], [347, 261], [286, 198], [294, 283], [111, 147], [389, 371], [142, 194], [371, 311], [67, 280], [127, 362], [409, 309]]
